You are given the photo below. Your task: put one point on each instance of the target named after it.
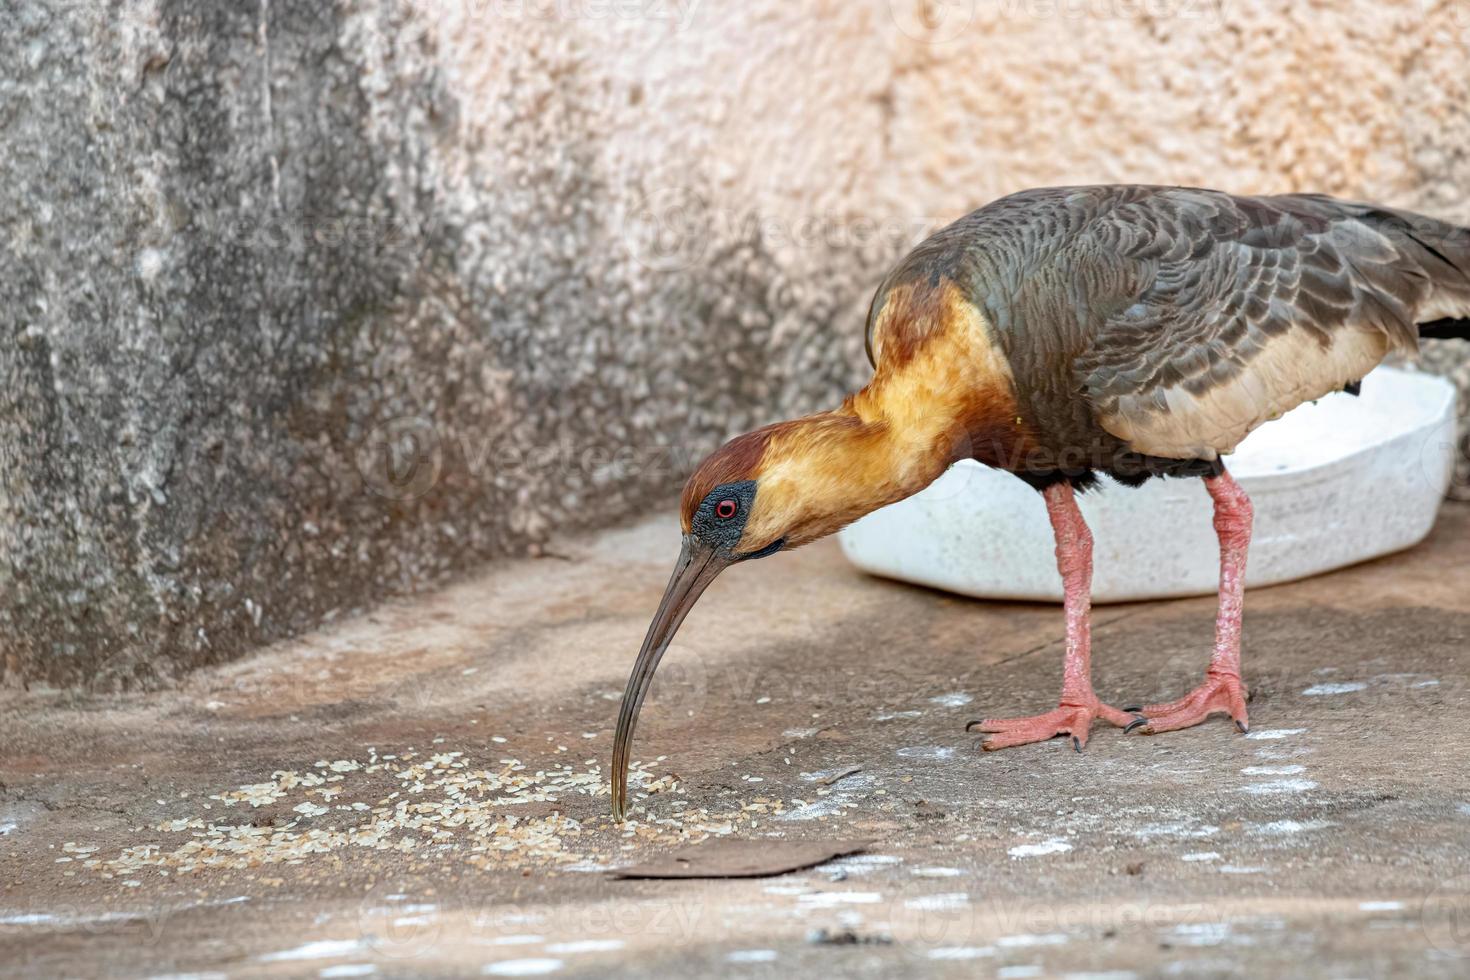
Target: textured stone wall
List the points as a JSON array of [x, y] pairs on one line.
[[307, 303]]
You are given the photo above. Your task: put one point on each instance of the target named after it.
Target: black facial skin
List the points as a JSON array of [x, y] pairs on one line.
[[723, 533]]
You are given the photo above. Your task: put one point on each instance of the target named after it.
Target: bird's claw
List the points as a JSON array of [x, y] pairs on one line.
[[1067, 719], [1221, 692]]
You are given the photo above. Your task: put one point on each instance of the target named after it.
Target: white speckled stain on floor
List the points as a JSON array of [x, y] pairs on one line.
[[586, 946], [1290, 770], [1270, 753], [787, 889], [1279, 786], [1380, 906], [1200, 933], [1274, 733], [859, 864], [321, 949], [1033, 939], [149, 915], [935, 872], [828, 900], [1321, 690], [944, 902], [1180, 829], [1018, 972], [534, 967], [960, 952], [1286, 828], [935, 753], [34, 919], [1054, 845]]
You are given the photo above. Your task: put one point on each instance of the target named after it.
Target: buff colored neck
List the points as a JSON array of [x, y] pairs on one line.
[[912, 434], [886, 442], [928, 406]]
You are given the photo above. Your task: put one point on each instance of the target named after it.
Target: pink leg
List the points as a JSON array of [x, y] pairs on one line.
[[1079, 705], [1223, 689]]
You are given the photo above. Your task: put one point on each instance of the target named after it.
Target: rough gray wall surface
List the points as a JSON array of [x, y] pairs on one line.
[[182, 365], [244, 380], [304, 303]]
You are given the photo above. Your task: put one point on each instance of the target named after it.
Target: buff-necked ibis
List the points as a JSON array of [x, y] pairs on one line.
[[1068, 332]]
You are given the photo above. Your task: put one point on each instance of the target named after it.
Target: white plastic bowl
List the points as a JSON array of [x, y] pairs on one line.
[[1333, 483]]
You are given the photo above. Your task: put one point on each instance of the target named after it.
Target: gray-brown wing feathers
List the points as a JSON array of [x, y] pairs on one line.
[[1210, 313]]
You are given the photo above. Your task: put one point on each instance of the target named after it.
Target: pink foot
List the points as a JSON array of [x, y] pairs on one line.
[[1221, 692], [1068, 719]]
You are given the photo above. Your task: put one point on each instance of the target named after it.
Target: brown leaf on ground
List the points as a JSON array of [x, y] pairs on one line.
[[741, 859]]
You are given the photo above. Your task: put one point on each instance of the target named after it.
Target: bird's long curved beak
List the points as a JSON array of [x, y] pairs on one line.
[[698, 565]]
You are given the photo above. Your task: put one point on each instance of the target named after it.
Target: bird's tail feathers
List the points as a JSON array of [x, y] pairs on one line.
[[1442, 253]]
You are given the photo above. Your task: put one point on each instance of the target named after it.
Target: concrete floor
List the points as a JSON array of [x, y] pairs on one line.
[[422, 791]]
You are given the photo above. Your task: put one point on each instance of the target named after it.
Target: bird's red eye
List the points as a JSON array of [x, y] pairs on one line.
[[725, 509]]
